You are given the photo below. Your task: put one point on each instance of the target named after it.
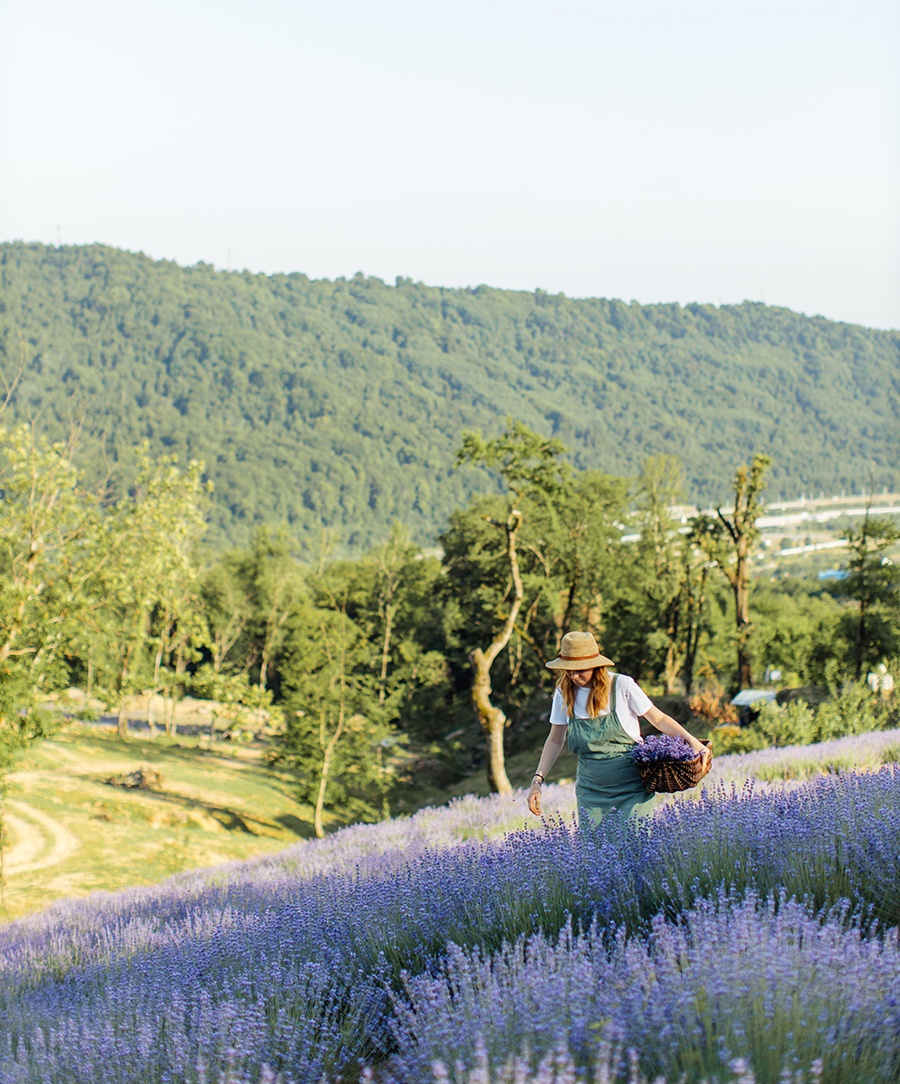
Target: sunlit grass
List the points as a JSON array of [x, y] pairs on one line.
[[210, 808]]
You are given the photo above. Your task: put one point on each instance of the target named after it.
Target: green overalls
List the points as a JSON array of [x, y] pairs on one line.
[[607, 777]]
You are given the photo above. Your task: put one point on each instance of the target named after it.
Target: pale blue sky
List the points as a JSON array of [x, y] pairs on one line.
[[703, 151]]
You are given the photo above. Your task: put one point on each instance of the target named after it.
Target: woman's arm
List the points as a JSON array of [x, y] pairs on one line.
[[667, 725], [556, 739]]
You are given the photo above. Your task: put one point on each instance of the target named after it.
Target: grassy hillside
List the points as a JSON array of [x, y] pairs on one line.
[[339, 404], [70, 832]]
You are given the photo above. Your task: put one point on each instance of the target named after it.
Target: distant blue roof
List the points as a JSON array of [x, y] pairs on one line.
[[746, 697], [834, 574]]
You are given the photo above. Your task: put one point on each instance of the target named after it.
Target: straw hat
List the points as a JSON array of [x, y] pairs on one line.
[[578, 651]]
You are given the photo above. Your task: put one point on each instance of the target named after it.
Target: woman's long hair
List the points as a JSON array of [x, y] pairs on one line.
[[598, 698]]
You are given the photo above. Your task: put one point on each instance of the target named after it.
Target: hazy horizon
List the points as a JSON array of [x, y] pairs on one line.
[[706, 154]]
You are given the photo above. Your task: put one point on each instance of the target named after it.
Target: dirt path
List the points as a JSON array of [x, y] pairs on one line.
[[34, 830]]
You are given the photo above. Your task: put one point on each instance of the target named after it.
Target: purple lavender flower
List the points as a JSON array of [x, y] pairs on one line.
[[764, 983], [660, 747]]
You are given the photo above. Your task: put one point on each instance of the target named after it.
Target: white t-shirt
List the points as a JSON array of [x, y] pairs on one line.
[[631, 703]]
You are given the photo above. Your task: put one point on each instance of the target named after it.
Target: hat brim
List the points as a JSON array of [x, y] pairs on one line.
[[590, 663]]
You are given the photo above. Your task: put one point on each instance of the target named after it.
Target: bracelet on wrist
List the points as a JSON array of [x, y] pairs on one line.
[[537, 775]]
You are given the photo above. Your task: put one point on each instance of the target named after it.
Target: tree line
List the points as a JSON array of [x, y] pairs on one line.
[[364, 668], [340, 404]]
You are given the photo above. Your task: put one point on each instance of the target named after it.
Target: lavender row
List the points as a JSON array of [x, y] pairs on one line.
[[767, 984], [278, 964], [367, 850], [797, 762]]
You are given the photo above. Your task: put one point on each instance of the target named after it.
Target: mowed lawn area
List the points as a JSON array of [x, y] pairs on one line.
[[69, 832]]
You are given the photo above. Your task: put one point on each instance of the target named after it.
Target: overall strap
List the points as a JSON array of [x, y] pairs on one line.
[[612, 697]]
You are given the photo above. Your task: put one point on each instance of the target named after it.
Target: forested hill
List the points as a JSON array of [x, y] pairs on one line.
[[340, 403]]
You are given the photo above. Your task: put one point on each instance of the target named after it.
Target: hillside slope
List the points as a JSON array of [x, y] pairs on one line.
[[69, 832], [339, 404]]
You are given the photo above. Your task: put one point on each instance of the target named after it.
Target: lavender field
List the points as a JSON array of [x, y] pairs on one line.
[[748, 932]]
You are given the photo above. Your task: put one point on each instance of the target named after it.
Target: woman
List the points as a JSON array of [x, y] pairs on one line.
[[599, 713]]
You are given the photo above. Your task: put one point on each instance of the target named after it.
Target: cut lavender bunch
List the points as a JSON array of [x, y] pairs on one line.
[[660, 747]]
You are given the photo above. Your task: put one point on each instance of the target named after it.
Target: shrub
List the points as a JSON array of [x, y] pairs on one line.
[[731, 738], [852, 710], [712, 707], [294, 962], [791, 724]]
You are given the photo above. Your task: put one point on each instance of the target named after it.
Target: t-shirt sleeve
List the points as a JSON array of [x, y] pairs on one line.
[[638, 701], [558, 716]]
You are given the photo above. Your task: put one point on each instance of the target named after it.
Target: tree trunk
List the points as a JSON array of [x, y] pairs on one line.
[[327, 754], [741, 587], [493, 721], [743, 532], [498, 780], [122, 720], [861, 638], [169, 712], [694, 617], [570, 596], [320, 797], [670, 670], [263, 668], [385, 651], [180, 669], [151, 722]]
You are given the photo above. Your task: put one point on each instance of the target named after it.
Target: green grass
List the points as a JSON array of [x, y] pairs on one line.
[[210, 807]]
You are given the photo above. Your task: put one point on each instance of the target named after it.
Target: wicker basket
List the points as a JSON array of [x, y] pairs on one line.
[[669, 776]]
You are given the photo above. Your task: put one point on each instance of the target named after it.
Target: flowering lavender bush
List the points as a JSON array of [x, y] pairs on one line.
[[798, 762], [659, 747], [295, 964], [768, 981], [559, 1067]]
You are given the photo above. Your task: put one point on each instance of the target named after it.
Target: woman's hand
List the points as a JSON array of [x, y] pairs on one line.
[[534, 799], [700, 749]]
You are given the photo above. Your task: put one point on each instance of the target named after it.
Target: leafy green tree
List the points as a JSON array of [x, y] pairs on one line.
[[145, 570], [574, 538], [874, 585], [660, 486], [649, 607], [335, 734], [796, 629], [531, 468], [233, 698], [729, 540], [46, 515], [389, 594], [179, 631], [693, 607], [227, 606], [273, 582]]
